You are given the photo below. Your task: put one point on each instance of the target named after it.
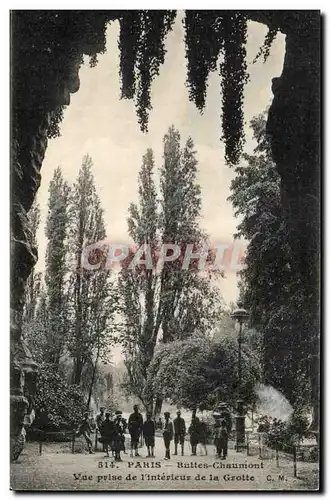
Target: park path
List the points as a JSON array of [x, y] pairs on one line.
[[66, 471]]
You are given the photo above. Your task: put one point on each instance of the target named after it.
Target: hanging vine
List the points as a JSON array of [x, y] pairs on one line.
[[54, 126], [151, 54], [204, 40], [233, 71], [208, 35], [265, 49], [128, 44]]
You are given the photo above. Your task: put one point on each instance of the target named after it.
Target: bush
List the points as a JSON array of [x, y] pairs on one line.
[[35, 434], [288, 434], [200, 371], [59, 406]]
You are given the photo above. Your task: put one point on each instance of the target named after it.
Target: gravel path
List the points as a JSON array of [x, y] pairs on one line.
[[65, 471]]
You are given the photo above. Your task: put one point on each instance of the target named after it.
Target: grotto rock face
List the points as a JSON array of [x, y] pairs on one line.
[[47, 51], [294, 128], [27, 157]]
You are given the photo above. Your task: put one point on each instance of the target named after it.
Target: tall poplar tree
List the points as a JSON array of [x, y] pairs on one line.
[[92, 300], [163, 303], [56, 274]]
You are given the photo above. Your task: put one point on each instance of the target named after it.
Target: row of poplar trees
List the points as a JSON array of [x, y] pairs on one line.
[[68, 309], [73, 316]]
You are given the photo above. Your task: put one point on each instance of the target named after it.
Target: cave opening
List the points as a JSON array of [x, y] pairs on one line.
[[47, 51]]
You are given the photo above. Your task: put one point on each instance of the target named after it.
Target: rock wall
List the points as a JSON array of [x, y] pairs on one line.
[[294, 127], [47, 50]]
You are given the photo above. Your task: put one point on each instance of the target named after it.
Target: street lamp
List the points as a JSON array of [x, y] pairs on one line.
[[240, 315]]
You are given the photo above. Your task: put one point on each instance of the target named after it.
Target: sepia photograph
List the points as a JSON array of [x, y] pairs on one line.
[[165, 278]]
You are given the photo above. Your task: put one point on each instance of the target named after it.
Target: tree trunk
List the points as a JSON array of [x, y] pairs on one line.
[[158, 406], [78, 367], [94, 373], [92, 383]]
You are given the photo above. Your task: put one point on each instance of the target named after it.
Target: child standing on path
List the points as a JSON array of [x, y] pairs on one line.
[[107, 431], [149, 434], [118, 435], [85, 430], [179, 432], [221, 440], [167, 434], [194, 431], [135, 425]]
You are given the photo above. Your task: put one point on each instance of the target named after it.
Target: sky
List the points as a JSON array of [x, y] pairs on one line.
[[99, 123]]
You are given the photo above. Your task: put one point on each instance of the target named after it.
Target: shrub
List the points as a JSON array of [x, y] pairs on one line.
[[59, 406]]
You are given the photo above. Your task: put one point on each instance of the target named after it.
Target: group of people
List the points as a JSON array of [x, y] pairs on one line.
[[198, 432], [112, 432]]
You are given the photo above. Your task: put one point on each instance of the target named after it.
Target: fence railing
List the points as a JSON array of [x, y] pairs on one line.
[[256, 444]]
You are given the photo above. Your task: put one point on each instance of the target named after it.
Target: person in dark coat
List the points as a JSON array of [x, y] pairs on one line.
[[224, 414], [179, 432], [167, 434], [118, 436], [107, 432], [194, 430], [221, 439], [85, 430], [149, 434], [122, 423], [135, 425]]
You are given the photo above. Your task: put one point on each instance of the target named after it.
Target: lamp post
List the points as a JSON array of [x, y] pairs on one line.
[[240, 315]]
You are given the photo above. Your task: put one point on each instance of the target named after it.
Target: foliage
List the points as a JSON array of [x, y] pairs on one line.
[[141, 42], [201, 371], [44, 37], [265, 49], [165, 302], [234, 76], [58, 404], [203, 29], [68, 316], [288, 434], [112, 404], [298, 425], [35, 330], [92, 304], [209, 35], [57, 268], [271, 287]]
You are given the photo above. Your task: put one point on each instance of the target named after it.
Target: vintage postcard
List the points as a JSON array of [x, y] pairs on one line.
[[165, 251]]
